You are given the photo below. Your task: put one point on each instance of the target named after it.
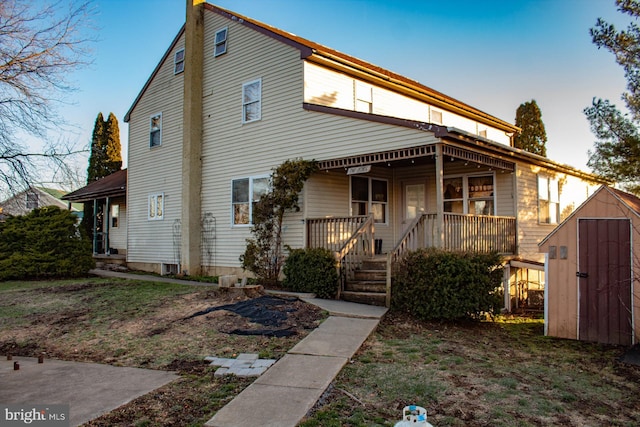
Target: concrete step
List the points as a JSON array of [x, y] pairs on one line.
[[371, 298], [379, 286], [366, 275]]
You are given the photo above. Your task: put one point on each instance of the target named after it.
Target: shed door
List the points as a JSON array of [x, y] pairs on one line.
[[604, 263]]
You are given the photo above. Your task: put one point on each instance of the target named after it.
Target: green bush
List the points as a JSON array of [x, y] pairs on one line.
[[311, 270], [44, 243], [434, 284]]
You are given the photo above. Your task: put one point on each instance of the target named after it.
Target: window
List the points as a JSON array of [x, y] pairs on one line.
[[115, 215], [363, 97], [245, 193], [251, 99], [179, 62], [155, 131], [369, 195], [436, 117], [156, 207], [221, 42], [548, 200], [32, 200], [469, 194]]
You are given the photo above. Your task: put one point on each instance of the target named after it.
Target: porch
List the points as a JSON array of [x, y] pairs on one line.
[[366, 274]]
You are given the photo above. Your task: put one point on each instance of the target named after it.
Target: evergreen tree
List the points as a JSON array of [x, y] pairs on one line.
[[616, 154], [96, 158], [533, 137], [113, 161]]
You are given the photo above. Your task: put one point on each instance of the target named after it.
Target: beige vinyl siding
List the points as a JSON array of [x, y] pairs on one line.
[[573, 191], [155, 170], [333, 89]]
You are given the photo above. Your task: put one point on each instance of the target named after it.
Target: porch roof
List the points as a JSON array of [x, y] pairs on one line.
[[113, 185], [457, 144]]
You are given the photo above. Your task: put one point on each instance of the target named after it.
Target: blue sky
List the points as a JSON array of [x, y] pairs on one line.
[[492, 54]]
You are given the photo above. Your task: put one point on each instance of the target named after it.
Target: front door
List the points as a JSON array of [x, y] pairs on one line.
[[604, 284], [414, 202]]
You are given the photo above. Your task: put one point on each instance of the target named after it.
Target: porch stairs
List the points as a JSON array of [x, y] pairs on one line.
[[369, 283]]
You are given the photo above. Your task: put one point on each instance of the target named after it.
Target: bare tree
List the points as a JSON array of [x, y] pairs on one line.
[[40, 46]]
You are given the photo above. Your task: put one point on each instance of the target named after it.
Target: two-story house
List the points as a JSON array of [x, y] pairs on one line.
[[232, 98]]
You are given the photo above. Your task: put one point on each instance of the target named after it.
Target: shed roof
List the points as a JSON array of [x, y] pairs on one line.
[[627, 199], [110, 186]]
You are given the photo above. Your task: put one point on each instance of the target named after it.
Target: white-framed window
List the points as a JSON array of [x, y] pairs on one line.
[[370, 195], [436, 117], [32, 200], [178, 61], [548, 200], [156, 207], [155, 130], [221, 42], [115, 216], [470, 194], [245, 193], [363, 97], [251, 101]]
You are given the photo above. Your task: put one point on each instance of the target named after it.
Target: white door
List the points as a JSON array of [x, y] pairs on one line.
[[415, 203]]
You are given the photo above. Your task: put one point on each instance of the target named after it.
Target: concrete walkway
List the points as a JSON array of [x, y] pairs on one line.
[[285, 393]]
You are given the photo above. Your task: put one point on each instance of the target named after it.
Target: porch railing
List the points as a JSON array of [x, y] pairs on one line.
[[351, 239]]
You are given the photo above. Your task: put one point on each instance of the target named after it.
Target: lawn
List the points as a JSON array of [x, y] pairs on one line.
[[503, 373]]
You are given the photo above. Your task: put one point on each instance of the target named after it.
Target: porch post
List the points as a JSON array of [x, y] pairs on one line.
[[439, 237], [95, 226], [107, 216]]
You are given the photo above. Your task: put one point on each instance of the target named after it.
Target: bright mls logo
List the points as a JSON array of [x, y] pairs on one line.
[[34, 415]]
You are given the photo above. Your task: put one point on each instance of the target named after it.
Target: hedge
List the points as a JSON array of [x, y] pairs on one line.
[[311, 270]]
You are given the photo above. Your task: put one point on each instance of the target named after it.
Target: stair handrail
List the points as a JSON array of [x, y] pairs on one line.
[[344, 268], [401, 247]]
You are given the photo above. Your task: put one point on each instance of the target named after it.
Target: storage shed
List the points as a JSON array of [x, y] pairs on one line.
[[592, 268]]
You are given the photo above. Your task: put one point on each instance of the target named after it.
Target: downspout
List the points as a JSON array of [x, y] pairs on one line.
[[107, 216]]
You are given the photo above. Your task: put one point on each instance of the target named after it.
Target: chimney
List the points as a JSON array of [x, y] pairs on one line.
[[192, 138]]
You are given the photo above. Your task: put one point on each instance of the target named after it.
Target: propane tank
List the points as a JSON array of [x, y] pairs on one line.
[[413, 416]]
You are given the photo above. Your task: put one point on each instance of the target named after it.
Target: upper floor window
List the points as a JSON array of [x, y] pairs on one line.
[[221, 42], [32, 200], [156, 207], [469, 194], [155, 130], [245, 193], [548, 200], [363, 97], [251, 101], [178, 60], [369, 195]]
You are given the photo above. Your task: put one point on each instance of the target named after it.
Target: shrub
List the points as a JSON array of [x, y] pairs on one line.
[[435, 284], [44, 243], [311, 270]]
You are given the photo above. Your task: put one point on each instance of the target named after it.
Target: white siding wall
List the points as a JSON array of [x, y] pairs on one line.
[[330, 88], [157, 169], [118, 235]]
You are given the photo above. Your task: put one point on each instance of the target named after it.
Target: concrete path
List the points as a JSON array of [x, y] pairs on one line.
[[147, 277], [286, 392], [90, 389]]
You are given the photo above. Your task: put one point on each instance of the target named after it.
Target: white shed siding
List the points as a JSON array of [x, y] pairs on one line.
[[157, 169], [333, 89]]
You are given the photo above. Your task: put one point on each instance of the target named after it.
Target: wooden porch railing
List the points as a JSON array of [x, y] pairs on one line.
[[355, 246]]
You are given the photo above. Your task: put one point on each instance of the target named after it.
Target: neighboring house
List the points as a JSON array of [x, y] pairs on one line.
[[36, 197], [593, 270], [232, 98], [107, 196]]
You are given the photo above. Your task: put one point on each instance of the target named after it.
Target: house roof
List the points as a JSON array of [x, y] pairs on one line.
[[17, 204], [629, 200], [110, 186], [351, 65]]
